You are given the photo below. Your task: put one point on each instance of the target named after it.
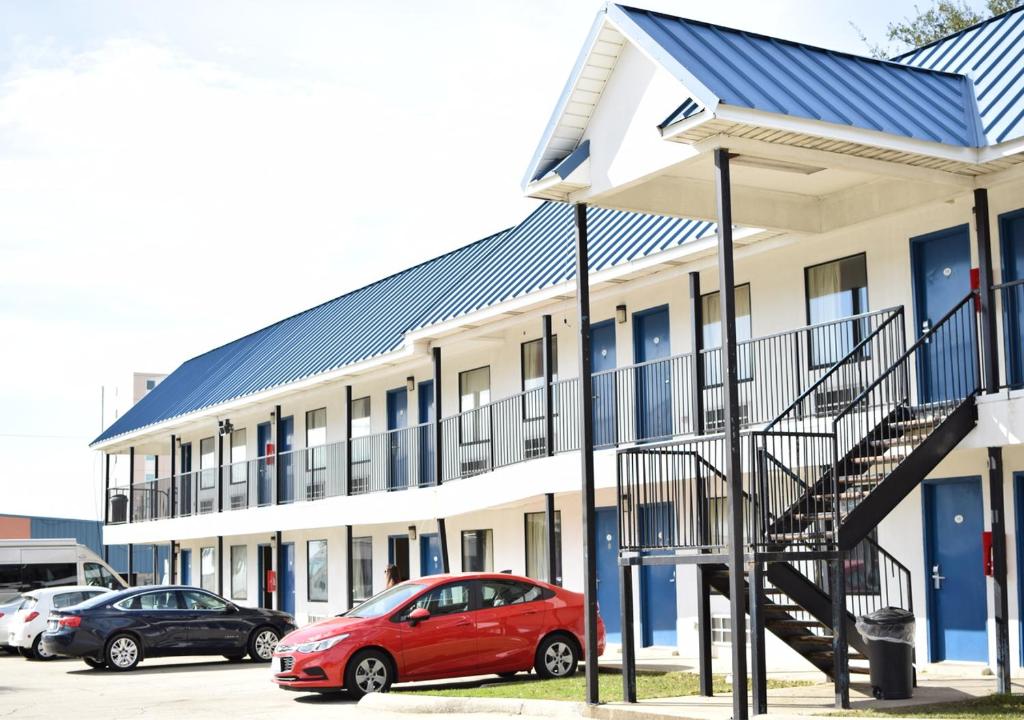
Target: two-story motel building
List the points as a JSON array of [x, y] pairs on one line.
[[431, 419]]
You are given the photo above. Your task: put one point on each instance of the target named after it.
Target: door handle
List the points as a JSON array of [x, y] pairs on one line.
[[936, 578]]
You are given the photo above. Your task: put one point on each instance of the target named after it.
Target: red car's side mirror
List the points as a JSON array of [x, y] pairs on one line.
[[418, 615]]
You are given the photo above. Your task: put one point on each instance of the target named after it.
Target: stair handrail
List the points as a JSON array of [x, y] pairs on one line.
[[904, 570], [896, 312], [927, 336]]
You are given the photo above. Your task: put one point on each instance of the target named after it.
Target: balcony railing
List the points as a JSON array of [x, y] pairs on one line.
[[1010, 300], [641, 403]]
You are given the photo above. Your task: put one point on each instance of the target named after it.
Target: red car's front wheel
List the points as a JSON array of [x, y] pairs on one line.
[[557, 656], [368, 671]]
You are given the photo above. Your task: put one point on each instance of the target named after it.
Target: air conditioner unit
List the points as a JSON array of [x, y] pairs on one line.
[[535, 447], [205, 506], [474, 467], [714, 419], [831, 402]]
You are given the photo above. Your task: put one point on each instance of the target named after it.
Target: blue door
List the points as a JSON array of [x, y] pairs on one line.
[[602, 364], [425, 405], [653, 378], [657, 582], [264, 469], [398, 405], [941, 264], [430, 555], [287, 578], [607, 541], [186, 567], [286, 436], [1011, 234], [954, 575]]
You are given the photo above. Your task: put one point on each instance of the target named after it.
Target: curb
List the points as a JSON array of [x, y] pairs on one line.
[[431, 705]]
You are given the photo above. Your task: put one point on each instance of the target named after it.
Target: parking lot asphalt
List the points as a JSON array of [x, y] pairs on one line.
[[164, 689]]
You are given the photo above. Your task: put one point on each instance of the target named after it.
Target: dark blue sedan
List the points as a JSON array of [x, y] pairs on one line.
[[117, 630]]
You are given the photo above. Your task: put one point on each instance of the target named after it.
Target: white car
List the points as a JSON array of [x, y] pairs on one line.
[[26, 628], [7, 610]]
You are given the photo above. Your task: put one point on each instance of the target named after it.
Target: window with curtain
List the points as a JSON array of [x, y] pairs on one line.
[[360, 417], [150, 467], [316, 570], [474, 392], [532, 363], [711, 310], [316, 452], [836, 290], [362, 568], [207, 464], [208, 569], [537, 547], [238, 456], [477, 551], [360, 413], [239, 561]]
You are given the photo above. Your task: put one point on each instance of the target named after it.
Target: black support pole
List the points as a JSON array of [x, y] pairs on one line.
[[156, 563], [279, 562], [548, 370], [442, 534], [172, 562], [349, 590], [759, 680], [587, 456], [172, 492], [348, 439], [733, 467], [220, 565], [131, 564], [276, 489], [131, 483], [697, 343], [707, 682], [220, 473], [549, 522], [983, 237], [438, 454], [106, 493], [998, 525], [628, 643], [840, 649]]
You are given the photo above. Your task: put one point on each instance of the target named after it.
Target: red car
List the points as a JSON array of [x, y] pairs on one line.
[[440, 626]]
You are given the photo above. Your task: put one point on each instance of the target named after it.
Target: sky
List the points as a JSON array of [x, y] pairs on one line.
[[175, 175]]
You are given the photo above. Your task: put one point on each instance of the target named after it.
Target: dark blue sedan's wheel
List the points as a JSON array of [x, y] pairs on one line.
[[123, 653], [369, 671], [262, 644]]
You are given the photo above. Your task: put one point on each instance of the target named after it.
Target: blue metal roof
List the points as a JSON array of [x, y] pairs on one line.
[[374, 320], [991, 53], [749, 70]]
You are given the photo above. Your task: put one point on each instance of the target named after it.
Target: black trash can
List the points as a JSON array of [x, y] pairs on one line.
[[118, 508], [889, 634]]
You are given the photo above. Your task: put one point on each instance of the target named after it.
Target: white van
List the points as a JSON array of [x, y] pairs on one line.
[[31, 564]]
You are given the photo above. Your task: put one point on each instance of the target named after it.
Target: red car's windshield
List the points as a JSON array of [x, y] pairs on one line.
[[385, 602]]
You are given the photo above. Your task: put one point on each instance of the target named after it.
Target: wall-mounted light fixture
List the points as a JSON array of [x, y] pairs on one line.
[[620, 314], [412, 532], [225, 427], [410, 383]]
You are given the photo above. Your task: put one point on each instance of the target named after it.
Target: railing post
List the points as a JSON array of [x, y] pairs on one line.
[[697, 343], [840, 651], [220, 475], [106, 496], [348, 440], [707, 682], [438, 455], [759, 679], [154, 491], [275, 491], [587, 457], [628, 641], [349, 590], [549, 520], [983, 238], [730, 402], [548, 360], [172, 492]]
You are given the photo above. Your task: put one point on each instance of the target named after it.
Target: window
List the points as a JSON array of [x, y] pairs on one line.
[[836, 290], [316, 571], [361, 450], [150, 384], [362, 568], [537, 547], [477, 552], [239, 561], [711, 310], [532, 357], [98, 576], [385, 602], [474, 392], [63, 600], [207, 569], [445, 600], [202, 601], [150, 468], [43, 575], [239, 467], [721, 629], [316, 453], [499, 593], [207, 464], [162, 600], [316, 427], [361, 417]]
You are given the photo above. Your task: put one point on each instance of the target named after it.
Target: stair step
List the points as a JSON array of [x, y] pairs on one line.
[[790, 622], [813, 517], [861, 480], [789, 537], [845, 495], [810, 639], [917, 423], [858, 670], [882, 458], [912, 439], [778, 607]]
